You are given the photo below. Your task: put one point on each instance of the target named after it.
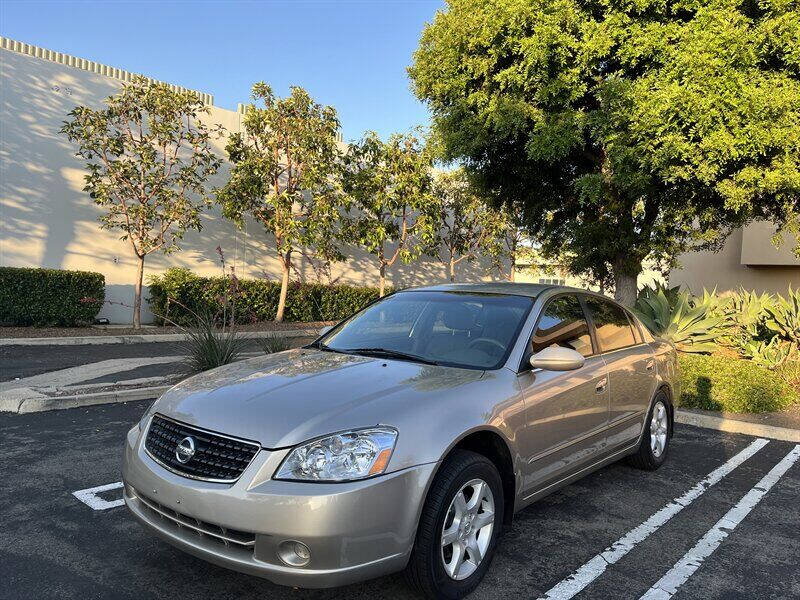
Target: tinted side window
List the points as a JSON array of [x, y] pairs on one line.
[[611, 323], [563, 324]]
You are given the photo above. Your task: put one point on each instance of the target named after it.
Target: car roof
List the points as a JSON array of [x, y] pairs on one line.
[[502, 287]]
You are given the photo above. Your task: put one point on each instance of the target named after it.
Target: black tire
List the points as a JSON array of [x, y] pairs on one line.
[[645, 457], [425, 572]]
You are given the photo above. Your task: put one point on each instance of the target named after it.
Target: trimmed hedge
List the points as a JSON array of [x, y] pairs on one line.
[[50, 297], [717, 382], [256, 299]]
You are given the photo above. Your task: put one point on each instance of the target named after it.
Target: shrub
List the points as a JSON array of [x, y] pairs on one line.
[[273, 343], [178, 293], [719, 382], [49, 297]]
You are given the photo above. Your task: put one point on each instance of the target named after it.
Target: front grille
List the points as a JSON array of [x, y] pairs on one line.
[[216, 457], [231, 538]]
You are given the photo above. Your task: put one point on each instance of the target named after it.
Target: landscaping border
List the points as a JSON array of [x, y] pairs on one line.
[[144, 338]]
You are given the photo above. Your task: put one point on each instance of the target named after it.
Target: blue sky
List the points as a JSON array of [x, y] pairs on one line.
[[350, 54]]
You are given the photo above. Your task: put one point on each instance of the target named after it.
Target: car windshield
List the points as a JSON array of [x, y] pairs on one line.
[[457, 329]]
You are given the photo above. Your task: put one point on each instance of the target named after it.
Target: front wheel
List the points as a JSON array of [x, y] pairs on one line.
[[458, 528], [653, 449]]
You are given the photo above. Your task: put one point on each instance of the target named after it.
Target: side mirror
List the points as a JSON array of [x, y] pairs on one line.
[[556, 358], [325, 329]]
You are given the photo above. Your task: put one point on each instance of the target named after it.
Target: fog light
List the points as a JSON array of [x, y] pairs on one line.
[[294, 554]]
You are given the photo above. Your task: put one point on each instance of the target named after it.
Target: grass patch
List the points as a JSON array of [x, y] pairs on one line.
[[717, 382]]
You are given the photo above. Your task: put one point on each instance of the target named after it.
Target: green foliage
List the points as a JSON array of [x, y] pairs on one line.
[[688, 323], [178, 295], [283, 174], [624, 131], [148, 156], [783, 316], [748, 311], [771, 354], [208, 347], [49, 297], [273, 343], [468, 227], [723, 383], [389, 190]]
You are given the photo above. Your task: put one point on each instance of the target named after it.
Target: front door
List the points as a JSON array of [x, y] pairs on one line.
[[566, 411]]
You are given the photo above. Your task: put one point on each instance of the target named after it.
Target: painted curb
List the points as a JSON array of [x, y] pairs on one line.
[[42, 404], [143, 339], [733, 426]]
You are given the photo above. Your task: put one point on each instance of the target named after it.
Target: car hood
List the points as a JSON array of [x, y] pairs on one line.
[[283, 399]]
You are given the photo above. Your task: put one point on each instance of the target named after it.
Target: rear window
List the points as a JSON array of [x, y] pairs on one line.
[[611, 324]]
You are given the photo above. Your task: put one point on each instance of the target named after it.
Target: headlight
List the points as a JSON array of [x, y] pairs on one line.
[[340, 457]]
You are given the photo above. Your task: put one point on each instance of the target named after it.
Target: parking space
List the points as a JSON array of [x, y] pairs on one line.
[[56, 544]]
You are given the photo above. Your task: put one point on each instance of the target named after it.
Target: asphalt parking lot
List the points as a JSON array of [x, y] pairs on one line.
[[52, 545]]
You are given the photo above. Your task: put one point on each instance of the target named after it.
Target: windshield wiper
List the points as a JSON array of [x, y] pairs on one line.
[[386, 353], [324, 347]]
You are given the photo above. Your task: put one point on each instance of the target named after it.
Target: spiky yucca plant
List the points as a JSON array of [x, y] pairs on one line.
[[208, 346], [693, 326]]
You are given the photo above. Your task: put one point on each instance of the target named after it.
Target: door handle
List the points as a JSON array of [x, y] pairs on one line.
[[651, 364], [601, 385]]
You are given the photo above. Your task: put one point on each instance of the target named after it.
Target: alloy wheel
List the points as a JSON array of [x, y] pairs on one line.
[[658, 429], [467, 529]]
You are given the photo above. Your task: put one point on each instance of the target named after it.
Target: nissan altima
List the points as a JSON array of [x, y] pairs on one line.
[[404, 438]]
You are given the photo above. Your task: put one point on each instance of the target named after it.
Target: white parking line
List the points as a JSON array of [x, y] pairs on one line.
[[693, 559], [596, 566], [91, 499]]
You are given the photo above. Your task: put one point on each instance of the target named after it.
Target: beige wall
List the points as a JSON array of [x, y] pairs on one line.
[[749, 259], [46, 220]]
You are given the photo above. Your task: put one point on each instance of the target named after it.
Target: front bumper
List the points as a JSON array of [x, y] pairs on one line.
[[355, 531]]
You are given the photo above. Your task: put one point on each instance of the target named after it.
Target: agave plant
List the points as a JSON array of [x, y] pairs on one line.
[[747, 311], [771, 354], [691, 326], [783, 316]]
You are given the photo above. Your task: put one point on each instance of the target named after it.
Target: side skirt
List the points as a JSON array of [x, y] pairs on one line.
[[557, 485]]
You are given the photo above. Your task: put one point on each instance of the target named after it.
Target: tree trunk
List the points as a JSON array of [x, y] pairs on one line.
[[513, 261], [382, 284], [626, 272], [452, 271], [286, 264], [137, 294]]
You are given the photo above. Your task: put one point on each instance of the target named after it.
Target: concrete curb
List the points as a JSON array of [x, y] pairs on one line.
[[143, 339], [734, 426], [57, 403]]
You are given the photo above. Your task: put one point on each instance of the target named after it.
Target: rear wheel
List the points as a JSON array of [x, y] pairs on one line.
[[653, 449], [458, 529]]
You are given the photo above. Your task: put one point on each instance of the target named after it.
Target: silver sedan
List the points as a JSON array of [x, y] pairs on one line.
[[405, 438]]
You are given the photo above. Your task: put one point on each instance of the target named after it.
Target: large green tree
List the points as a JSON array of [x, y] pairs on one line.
[[393, 214], [148, 156], [284, 176], [625, 130]]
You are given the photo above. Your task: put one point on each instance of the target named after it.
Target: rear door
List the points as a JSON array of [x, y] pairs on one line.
[[631, 369], [566, 411]]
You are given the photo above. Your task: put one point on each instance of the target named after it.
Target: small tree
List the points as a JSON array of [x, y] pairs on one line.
[[389, 188], [148, 159], [468, 227], [283, 175]]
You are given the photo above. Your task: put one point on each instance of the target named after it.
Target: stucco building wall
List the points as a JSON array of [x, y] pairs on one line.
[[749, 259], [47, 220]]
